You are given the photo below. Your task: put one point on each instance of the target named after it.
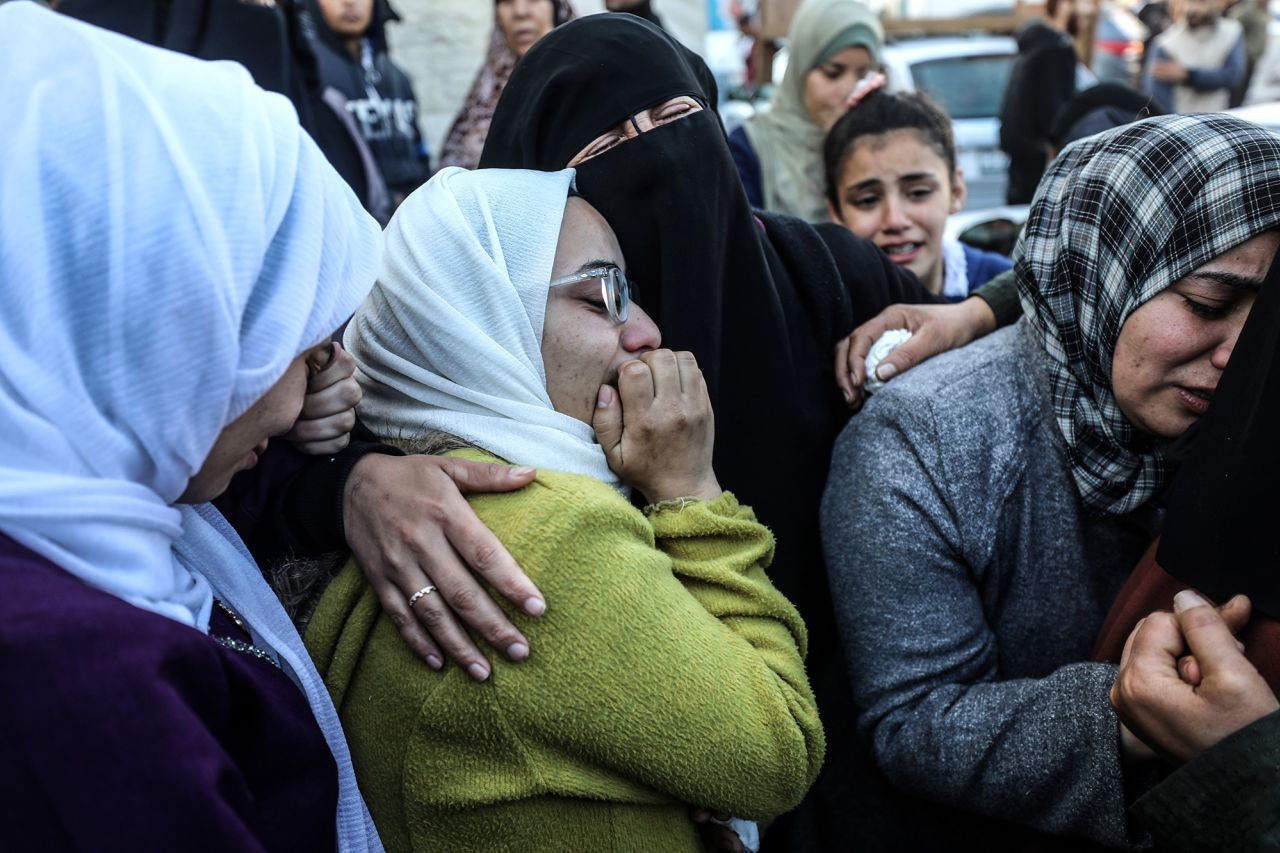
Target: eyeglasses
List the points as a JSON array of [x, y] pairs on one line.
[[613, 287]]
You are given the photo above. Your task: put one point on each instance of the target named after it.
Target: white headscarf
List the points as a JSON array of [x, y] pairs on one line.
[[451, 337], [170, 240]]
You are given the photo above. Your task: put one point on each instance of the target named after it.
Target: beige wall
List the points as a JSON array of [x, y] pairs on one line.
[[441, 44]]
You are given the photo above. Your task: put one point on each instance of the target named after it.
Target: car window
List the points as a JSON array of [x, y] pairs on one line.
[[965, 86]]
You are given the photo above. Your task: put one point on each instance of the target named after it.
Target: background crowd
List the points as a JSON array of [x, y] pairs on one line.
[[594, 522]]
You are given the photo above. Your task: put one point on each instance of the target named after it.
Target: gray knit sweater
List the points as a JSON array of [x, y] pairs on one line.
[[969, 584]]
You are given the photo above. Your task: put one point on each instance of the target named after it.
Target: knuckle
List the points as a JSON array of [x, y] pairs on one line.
[[464, 599], [432, 618], [484, 557]]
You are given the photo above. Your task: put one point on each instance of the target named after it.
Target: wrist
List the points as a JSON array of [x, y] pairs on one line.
[[701, 490], [982, 317]]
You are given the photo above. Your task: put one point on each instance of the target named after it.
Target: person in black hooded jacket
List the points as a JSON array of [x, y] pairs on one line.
[[268, 41], [1041, 81], [351, 49]]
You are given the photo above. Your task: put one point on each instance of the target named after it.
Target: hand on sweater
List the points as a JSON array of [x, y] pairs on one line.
[[329, 409], [409, 527], [657, 430], [935, 329], [1155, 700]]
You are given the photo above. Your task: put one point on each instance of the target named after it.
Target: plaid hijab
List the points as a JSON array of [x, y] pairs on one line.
[[1118, 218]]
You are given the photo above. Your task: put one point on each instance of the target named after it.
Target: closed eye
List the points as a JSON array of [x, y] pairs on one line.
[[1206, 310]]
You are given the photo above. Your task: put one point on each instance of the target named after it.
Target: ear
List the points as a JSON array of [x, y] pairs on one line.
[[958, 191], [833, 213]]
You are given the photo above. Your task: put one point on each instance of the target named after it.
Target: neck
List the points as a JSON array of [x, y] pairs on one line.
[[353, 47], [933, 279]]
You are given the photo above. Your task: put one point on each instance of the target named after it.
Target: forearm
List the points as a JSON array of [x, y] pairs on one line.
[[1226, 77], [719, 550], [1001, 298], [717, 708], [1041, 752]]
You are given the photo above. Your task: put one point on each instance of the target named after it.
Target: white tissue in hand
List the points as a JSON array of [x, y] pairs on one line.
[[880, 350]]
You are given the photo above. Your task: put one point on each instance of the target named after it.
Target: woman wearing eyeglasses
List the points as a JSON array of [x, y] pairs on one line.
[[669, 672]]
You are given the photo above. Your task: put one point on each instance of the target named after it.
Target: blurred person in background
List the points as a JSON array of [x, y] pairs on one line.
[[269, 41], [1096, 109], [892, 178], [517, 26], [639, 8], [833, 44], [1042, 79], [1196, 63], [351, 49], [1253, 18]]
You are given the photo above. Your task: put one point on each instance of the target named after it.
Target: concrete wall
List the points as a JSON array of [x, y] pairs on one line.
[[442, 43]]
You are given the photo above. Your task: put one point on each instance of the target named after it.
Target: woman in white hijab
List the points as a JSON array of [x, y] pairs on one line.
[[668, 670], [173, 249]]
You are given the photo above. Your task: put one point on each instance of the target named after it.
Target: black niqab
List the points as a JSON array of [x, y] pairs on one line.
[[672, 194], [1226, 495]]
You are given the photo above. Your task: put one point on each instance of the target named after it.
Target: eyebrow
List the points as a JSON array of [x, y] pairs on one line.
[[590, 265], [1228, 279]]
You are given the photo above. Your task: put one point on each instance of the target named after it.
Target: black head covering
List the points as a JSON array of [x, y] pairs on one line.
[[672, 194], [1218, 534]]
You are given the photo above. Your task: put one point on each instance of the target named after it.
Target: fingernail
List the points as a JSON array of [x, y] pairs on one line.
[[434, 662], [604, 398], [886, 371], [1186, 600], [535, 606], [848, 398], [522, 471], [517, 651], [478, 671]]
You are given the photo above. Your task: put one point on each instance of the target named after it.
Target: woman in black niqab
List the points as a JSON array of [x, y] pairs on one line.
[[760, 299]]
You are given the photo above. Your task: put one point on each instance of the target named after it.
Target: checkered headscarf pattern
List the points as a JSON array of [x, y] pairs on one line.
[[1118, 218]]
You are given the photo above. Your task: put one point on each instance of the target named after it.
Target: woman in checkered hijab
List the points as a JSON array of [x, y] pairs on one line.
[[984, 509]]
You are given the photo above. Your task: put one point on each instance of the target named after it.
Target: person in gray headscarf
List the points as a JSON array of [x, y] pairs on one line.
[[833, 44], [984, 510]]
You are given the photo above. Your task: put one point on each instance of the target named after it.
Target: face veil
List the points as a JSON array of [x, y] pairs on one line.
[[671, 194]]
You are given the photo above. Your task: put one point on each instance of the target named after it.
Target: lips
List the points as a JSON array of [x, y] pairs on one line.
[[903, 253], [1195, 399]]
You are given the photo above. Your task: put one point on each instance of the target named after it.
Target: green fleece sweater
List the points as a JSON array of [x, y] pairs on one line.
[[667, 672]]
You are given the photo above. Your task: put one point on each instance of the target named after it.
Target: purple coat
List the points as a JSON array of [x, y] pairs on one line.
[[123, 730]]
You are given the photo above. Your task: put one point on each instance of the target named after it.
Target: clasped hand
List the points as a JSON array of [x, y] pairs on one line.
[[1184, 683], [657, 429]]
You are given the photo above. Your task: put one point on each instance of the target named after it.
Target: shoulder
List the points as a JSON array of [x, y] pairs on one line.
[[975, 404], [120, 668], [48, 614], [984, 266], [560, 511]]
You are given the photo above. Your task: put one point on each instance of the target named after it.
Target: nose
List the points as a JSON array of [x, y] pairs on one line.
[[1222, 352], [895, 215], [640, 333]]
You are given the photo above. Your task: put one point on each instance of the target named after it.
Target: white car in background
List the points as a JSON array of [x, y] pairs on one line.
[[967, 78]]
